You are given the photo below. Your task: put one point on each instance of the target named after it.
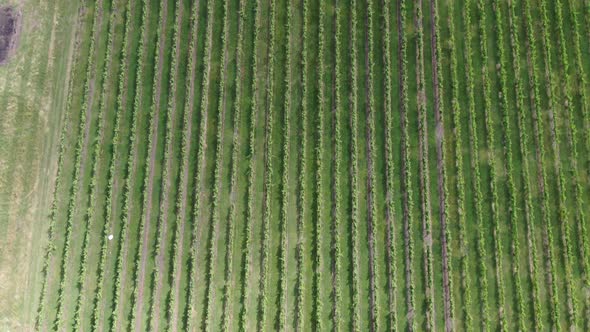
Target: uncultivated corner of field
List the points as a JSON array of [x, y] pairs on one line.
[[31, 78]]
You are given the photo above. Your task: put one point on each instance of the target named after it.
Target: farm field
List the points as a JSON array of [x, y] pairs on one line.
[[305, 165]]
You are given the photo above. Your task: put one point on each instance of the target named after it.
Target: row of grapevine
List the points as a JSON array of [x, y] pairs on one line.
[[540, 153], [371, 179], [51, 246], [572, 141], [85, 112], [460, 185], [406, 163], [148, 182], [236, 150], [390, 171], [268, 174], [491, 143], [512, 191], [524, 151], [442, 188], [424, 169], [563, 213], [355, 169], [162, 226], [338, 155], [185, 149], [246, 258], [285, 176], [131, 169], [302, 197], [318, 264], [200, 166], [219, 146], [582, 79], [96, 157], [475, 168], [119, 109]]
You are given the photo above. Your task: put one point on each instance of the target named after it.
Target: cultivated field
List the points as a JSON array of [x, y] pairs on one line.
[[305, 165]]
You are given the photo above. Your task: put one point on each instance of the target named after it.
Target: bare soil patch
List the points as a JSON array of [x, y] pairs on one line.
[[10, 23]]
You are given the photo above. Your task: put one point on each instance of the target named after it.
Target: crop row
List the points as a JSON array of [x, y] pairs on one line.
[[121, 95], [245, 273], [540, 152], [524, 151], [573, 145], [228, 277], [171, 110], [131, 167], [371, 179], [190, 308], [79, 155], [354, 169], [268, 174], [424, 169], [212, 252], [97, 156], [585, 247], [51, 247], [185, 148], [302, 198], [442, 187], [513, 211], [491, 143], [406, 166], [390, 171], [285, 176], [475, 168], [318, 263], [461, 218]]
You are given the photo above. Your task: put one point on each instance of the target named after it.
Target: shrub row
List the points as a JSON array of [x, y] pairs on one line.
[[251, 174], [227, 290], [185, 148], [97, 157], [524, 151], [355, 169], [190, 308], [538, 125], [475, 168], [512, 191], [491, 145], [390, 169], [131, 166], [71, 211], [122, 85]]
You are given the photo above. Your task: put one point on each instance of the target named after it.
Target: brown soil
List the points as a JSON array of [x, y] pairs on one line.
[[10, 24]]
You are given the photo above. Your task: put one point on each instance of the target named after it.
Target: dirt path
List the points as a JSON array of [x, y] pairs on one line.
[[335, 185], [370, 176], [164, 205], [439, 132], [152, 162]]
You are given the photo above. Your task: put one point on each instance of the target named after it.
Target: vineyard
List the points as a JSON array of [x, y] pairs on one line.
[[305, 165]]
